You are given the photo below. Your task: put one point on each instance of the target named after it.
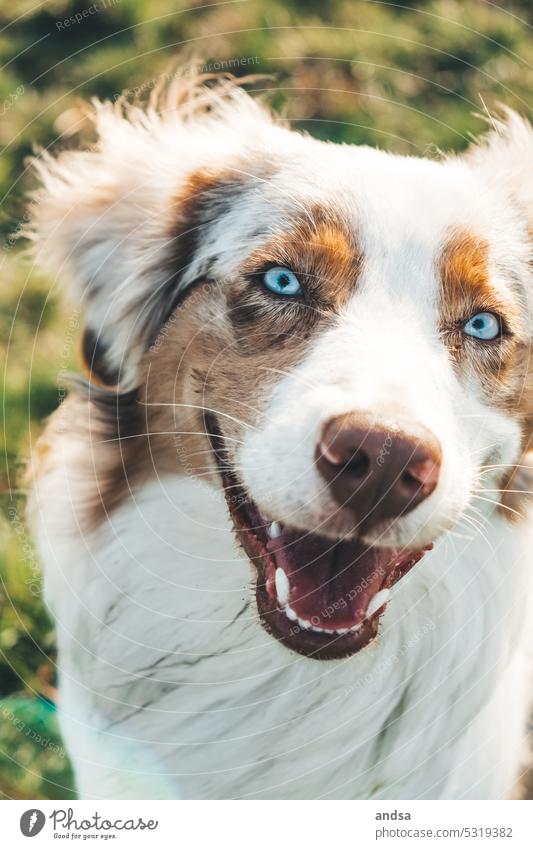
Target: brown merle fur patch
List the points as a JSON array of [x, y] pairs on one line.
[[215, 353], [218, 356], [130, 442]]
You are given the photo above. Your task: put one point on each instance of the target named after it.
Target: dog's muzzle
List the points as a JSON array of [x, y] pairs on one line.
[[377, 472]]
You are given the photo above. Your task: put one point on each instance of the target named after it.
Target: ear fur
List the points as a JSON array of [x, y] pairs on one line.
[[505, 156], [104, 219]]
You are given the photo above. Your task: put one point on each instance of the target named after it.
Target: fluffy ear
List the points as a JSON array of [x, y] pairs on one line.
[[505, 156], [116, 221]]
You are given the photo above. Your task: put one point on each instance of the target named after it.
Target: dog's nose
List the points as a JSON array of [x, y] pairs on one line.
[[378, 472]]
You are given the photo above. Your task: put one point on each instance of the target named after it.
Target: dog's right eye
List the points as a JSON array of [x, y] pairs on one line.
[[282, 281]]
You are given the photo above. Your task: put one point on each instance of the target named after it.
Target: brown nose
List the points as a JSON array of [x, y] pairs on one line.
[[379, 473]]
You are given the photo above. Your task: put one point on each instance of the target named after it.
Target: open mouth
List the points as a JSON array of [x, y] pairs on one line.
[[320, 597]]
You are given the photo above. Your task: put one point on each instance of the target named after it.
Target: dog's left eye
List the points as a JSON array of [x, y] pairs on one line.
[[484, 325], [282, 281]]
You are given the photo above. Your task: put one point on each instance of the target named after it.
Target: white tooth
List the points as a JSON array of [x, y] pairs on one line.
[[342, 631], [318, 630], [377, 601], [282, 587], [290, 614], [303, 623], [356, 628], [274, 530]]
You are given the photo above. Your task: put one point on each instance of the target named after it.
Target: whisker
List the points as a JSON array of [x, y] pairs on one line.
[[478, 526], [288, 374], [518, 491], [503, 506], [472, 415], [199, 453], [165, 433], [196, 407], [467, 537], [484, 448], [241, 403], [508, 466]]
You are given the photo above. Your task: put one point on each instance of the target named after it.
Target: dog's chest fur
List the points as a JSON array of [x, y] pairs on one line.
[[170, 687]]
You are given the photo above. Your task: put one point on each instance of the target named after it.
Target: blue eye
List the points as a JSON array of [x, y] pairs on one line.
[[282, 281], [485, 326]]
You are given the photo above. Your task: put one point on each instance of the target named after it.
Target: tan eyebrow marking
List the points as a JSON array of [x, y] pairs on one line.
[[464, 273], [466, 286], [320, 246]]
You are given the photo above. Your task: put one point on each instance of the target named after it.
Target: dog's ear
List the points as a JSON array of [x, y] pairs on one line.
[[504, 156], [117, 222], [96, 226]]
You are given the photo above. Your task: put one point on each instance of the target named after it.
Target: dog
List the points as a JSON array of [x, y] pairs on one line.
[[276, 513]]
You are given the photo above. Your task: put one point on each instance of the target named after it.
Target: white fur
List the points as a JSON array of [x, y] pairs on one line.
[[169, 685], [155, 612]]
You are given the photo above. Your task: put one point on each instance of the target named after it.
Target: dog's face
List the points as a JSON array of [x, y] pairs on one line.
[[342, 333]]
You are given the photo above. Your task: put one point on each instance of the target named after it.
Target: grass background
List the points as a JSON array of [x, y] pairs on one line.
[[412, 77]]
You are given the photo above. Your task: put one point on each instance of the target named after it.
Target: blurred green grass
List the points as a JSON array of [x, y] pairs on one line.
[[407, 76]]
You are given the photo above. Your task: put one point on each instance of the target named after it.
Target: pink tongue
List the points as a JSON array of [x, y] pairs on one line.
[[331, 583]]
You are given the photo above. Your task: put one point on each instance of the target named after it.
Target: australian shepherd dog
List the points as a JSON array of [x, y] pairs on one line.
[[283, 516]]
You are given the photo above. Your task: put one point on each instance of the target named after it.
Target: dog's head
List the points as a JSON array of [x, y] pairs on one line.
[[336, 335]]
